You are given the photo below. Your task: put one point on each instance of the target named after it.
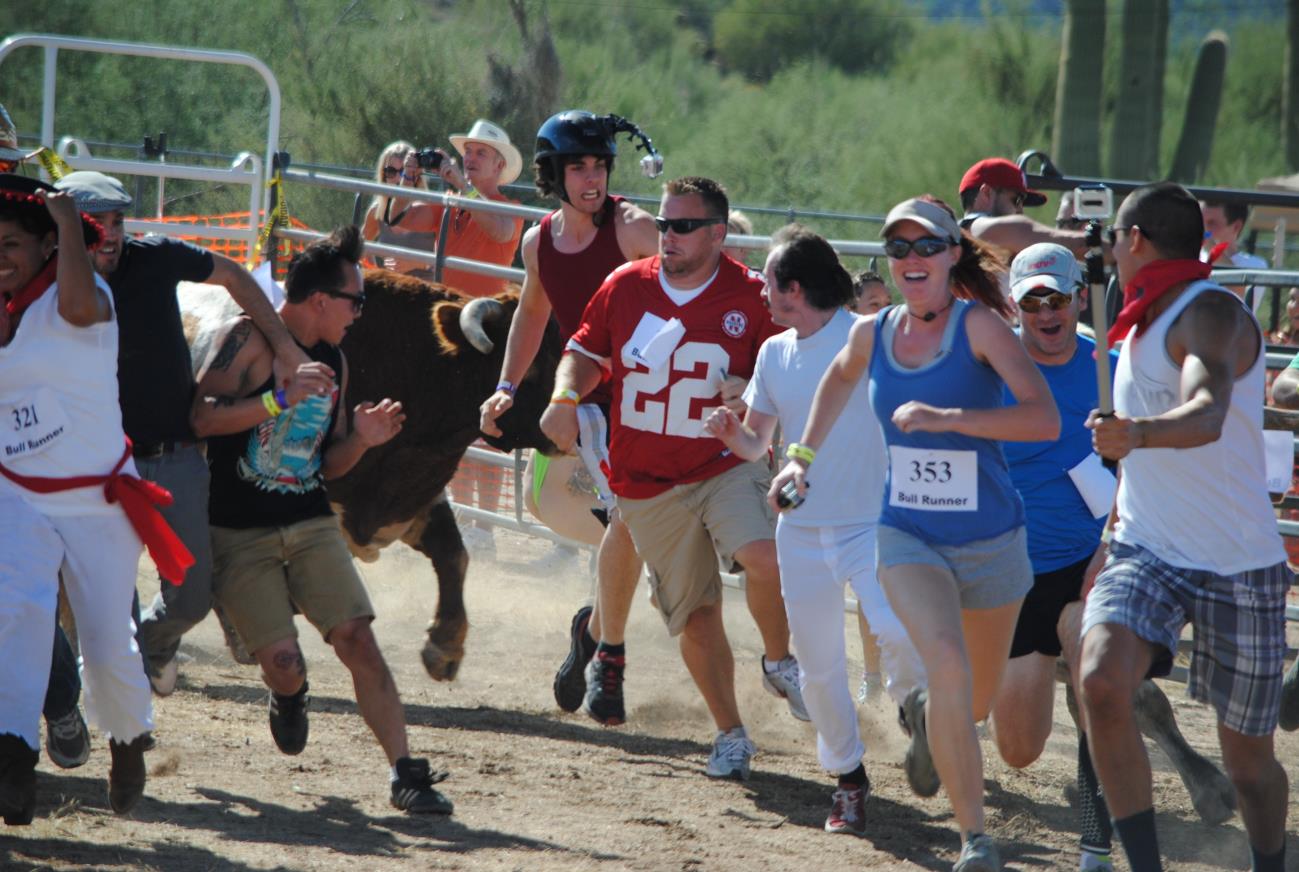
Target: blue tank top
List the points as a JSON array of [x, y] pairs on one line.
[[942, 488]]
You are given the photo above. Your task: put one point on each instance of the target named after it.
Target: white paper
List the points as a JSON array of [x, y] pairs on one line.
[[31, 424], [1096, 484], [1278, 451], [933, 480], [271, 288], [653, 341]]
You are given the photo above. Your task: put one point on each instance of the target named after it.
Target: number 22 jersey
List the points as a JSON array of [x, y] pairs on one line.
[[657, 436]]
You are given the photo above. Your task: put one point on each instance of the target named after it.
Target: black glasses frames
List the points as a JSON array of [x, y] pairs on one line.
[[925, 246], [357, 300], [684, 225]]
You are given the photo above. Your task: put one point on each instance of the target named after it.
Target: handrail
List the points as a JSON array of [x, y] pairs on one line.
[[52, 44]]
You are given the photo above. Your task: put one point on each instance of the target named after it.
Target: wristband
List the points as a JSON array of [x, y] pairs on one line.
[[565, 398], [269, 402], [796, 451], [282, 398], [508, 386]]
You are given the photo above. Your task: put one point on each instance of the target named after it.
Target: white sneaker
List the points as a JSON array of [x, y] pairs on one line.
[[732, 753], [783, 682], [164, 683], [872, 685]]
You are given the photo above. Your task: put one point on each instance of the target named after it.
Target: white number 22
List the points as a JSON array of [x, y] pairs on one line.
[[673, 418]]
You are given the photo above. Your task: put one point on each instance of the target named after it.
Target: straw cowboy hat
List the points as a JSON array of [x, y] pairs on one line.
[[489, 134]]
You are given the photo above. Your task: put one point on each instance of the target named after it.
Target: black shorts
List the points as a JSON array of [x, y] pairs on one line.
[[1051, 592]]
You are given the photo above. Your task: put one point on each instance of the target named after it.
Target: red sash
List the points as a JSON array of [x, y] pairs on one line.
[[1150, 283], [139, 499]]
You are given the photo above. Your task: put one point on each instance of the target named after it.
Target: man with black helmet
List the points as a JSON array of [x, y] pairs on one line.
[[566, 257]]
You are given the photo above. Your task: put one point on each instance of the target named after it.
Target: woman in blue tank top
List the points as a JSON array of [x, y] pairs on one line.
[[952, 552]]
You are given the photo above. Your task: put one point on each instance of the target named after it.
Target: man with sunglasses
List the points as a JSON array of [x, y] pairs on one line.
[[667, 331], [156, 385], [994, 193], [1195, 538], [276, 543], [1064, 529]]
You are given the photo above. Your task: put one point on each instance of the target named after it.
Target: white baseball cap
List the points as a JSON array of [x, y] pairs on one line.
[[1044, 265]]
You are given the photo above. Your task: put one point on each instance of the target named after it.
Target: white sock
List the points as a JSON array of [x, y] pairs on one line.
[[772, 665], [1089, 861], [392, 774]]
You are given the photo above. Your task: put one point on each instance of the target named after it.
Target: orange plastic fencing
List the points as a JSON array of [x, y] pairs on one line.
[[236, 249], [483, 485]]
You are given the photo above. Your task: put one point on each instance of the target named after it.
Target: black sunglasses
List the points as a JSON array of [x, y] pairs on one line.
[[1055, 301], [391, 171], [358, 300], [925, 246], [1111, 233], [684, 225]]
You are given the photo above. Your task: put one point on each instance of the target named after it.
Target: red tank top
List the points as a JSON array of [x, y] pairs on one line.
[[571, 280]]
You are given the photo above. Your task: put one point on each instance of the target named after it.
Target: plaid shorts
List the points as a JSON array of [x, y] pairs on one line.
[[1238, 620]]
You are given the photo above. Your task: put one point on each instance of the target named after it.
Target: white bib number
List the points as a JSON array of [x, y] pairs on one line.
[[933, 480], [31, 424]]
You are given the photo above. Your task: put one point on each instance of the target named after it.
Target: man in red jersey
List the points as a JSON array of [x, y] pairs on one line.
[[667, 331], [566, 257]]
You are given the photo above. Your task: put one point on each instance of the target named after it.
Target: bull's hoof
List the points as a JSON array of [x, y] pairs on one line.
[[444, 649], [439, 666], [1211, 792], [1290, 699]]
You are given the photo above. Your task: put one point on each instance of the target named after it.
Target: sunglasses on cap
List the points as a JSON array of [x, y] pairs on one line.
[[925, 246], [358, 300], [684, 225], [1055, 301]]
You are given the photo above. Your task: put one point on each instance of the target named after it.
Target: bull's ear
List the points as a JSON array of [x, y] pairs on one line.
[[446, 327]]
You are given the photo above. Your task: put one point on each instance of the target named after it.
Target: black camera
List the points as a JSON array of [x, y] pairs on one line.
[[789, 497], [429, 158]]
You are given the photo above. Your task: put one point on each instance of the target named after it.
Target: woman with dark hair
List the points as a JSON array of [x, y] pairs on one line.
[[952, 551], [68, 494]]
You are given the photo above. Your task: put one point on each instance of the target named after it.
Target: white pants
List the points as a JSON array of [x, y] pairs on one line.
[[815, 563], [97, 555]]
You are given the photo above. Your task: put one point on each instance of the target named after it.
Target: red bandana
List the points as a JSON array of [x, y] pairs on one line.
[[139, 498], [1150, 283], [39, 284]]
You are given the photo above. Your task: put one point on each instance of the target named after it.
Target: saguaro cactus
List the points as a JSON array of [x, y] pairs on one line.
[[1076, 135], [1196, 142], [1134, 139]]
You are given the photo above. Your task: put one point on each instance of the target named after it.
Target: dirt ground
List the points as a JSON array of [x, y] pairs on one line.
[[536, 789]]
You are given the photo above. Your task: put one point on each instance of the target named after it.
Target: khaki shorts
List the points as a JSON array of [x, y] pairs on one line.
[[681, 533], [260, 575]]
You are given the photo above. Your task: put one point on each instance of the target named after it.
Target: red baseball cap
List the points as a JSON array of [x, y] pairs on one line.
[[997, 172]]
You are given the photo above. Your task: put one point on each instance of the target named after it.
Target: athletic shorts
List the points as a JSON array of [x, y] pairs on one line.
[[1238, 620], [1051, 592], [260, 575], [989, 573], [681, 533]]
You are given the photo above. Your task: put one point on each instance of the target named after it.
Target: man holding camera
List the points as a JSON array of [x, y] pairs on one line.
[[994, 193], [490, 160]]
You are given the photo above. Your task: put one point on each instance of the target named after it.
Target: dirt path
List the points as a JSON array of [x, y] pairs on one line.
[[535, 789]]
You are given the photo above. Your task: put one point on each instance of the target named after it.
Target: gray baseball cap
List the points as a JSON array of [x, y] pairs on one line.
[[1044, 265], [930, 216], [95, 192]]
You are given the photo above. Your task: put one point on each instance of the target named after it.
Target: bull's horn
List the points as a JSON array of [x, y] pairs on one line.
[[472, 317]]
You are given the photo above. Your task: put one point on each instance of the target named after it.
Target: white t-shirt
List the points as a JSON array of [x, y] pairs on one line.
[[59, 411], [846, 481]]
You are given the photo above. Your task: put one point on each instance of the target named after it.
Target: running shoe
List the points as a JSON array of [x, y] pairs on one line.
[[413, 791], [288, 717], [603, 701], [67, 741], [783, 682], [570, 680], [731, 756], [126, 774], [848, 811], [979, 854], [919, 764]]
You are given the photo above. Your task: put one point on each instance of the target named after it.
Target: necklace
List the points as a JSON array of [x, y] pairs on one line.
[[929, 316]]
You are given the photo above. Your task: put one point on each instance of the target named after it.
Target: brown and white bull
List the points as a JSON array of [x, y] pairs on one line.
[[440, 355]]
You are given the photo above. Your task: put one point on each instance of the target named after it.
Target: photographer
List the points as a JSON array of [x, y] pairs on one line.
[[398, 165], [490, 160]]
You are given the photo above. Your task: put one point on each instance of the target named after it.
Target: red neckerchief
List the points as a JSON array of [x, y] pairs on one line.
[[140, 500], [39, 284], [1150, 283], [1216, 252]]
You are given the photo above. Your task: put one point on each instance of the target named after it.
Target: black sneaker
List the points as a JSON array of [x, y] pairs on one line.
[[918, 763], [17, 780], [413, 791], [67, 740], [289, 720], [126, 775], [570, 682], [603, 700]]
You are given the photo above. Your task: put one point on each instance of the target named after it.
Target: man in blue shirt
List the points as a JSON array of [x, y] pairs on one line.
[[1064, 529]]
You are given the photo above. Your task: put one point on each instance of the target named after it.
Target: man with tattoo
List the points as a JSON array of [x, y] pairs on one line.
[[276, 543], [156, 386]]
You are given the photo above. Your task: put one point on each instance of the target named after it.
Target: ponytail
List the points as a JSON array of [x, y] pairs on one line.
[[977, 275]]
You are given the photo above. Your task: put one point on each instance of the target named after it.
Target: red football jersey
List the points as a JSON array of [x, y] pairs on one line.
[[657, 436]]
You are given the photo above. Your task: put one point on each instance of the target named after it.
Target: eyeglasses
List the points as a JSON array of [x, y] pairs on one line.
[[391, 171], [1055, 301], [358, 300], [1111, 233], [925, 246], [684, 225], [1019, 198]]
